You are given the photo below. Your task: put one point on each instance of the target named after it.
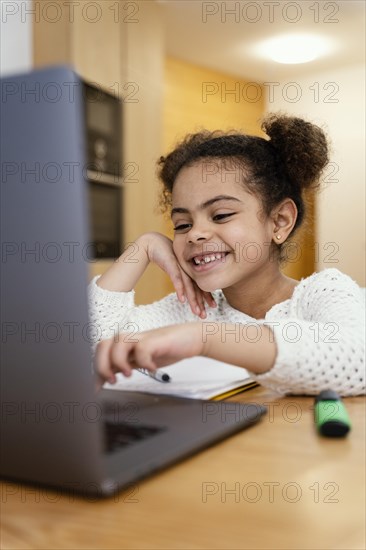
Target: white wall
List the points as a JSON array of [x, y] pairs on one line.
[[335, 100], [16, 49]]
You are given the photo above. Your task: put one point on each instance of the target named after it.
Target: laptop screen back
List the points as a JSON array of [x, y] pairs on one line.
[[47, 387]]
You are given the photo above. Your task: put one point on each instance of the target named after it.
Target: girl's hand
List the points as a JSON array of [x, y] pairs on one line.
[[148, 350], [160, 251]]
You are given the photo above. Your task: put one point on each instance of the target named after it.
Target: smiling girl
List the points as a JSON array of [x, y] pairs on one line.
[[235, 201]]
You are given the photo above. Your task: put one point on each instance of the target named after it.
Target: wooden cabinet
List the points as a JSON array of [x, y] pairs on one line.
[[119, 46]]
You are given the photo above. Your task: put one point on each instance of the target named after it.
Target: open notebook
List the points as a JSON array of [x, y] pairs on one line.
[[196, 377]]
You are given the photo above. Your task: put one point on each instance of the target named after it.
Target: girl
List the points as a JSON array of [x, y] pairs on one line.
[[235, 201]]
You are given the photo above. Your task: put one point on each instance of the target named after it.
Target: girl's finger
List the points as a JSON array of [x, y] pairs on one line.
[[194, 299], [199, 296], [209, 299], [200, 301], [142, 358], [119, 356], [175, 275], [102, 364]]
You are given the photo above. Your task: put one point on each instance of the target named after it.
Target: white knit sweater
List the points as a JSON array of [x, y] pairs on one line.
[[319, 331]]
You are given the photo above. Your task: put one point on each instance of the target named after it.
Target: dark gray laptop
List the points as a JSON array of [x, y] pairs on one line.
[[55, 429]]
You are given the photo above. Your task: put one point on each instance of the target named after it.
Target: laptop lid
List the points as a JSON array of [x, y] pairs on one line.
[[46, 358], [54, 430]]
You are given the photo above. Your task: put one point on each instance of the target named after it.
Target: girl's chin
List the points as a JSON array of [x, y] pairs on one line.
[[207, 287]]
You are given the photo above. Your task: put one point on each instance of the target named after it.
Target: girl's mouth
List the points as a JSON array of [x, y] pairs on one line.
[[204, 262]]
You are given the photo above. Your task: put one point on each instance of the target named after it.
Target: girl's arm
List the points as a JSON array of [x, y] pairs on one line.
[[123, 275], [160, 347]]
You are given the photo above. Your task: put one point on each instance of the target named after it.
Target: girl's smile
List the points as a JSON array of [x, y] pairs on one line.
[[205, 262]]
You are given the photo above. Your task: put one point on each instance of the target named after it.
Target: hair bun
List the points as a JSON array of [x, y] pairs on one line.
[[301, 146]]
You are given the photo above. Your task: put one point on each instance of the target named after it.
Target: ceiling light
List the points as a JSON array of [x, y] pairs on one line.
[[299, 48]]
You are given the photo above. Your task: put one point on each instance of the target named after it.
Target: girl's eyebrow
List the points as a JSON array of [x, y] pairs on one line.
[[205, 204]]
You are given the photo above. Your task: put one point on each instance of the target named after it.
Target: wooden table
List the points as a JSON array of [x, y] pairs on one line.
[[276, 485]]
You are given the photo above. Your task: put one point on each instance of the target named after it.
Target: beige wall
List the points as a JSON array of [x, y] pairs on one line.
[[196, 97], [336, 100], [16, 32]]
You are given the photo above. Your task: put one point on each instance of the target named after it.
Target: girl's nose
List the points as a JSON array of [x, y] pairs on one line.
[[199, 234]]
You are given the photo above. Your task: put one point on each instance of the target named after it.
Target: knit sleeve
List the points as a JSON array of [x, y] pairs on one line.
[[112, 312], [321, 345]]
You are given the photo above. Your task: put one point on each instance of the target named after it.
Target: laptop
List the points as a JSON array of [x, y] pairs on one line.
[[56, 430]]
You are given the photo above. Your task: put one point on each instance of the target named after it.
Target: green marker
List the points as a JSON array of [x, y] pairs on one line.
[[331, 417]]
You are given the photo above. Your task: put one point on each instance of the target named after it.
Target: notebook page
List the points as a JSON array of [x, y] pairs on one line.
[[196, 377]]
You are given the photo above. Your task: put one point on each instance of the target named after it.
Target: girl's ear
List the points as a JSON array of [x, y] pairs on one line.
[[284, 217]]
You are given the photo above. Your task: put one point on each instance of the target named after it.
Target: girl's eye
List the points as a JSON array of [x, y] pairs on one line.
[[182, 227], [219, 217]]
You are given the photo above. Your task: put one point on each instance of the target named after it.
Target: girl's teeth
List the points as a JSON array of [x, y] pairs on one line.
[[208, 259]]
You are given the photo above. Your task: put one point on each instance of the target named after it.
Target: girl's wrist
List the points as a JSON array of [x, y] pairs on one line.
[[204, 339], [196, 337], [142, 242], [257, 356], [123, 275], [145, 240]]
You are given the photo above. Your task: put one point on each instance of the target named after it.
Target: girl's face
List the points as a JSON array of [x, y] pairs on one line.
[[221, 236]]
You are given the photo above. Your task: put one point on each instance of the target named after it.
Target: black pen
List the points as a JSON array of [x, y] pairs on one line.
[[157, 375]]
